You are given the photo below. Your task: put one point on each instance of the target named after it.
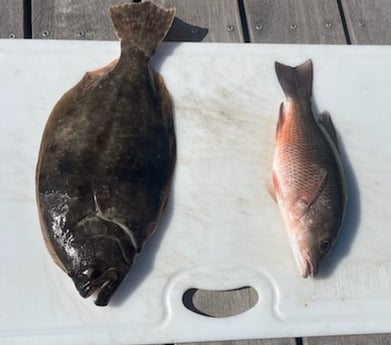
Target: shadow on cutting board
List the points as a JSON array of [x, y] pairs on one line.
[[352, 217], [179, 32]]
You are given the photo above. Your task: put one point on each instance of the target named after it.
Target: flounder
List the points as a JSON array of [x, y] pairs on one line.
[[107, 158]]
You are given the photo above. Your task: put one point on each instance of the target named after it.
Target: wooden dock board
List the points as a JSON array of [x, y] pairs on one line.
[[368, 22], [195, 20], [73, 19], [371, 339], [11, 19], [284, 341], [297, 21]]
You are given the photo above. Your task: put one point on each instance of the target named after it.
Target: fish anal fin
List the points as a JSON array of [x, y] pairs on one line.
[[314, 189], [327, 123]]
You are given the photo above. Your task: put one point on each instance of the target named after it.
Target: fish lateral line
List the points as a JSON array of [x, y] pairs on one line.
[[123, 227]]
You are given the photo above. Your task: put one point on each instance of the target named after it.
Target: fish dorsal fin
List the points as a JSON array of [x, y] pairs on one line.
[[326, 122]]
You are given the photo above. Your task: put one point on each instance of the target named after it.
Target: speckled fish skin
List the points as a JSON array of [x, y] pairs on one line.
[[107, 157], [308, 177]]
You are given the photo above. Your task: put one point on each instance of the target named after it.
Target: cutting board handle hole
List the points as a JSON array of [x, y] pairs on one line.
[[220, 303]]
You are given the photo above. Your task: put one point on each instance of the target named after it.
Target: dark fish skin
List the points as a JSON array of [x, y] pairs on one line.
[[107, 158], [308, 177]]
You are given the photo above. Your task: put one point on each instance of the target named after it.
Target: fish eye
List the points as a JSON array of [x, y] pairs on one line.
[[91, 273], [325, 246]]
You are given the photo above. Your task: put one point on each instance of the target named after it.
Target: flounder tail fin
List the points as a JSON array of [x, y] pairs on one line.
[[142, 25]]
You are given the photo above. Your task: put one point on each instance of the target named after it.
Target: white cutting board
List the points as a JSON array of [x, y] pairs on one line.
[[222, 230]]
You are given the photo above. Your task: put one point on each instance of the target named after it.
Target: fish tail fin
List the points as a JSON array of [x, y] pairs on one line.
[[142, 25], [295, 81]]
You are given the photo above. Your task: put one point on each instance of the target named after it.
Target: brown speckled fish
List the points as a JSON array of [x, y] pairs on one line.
[[107, 158], [308, 178]]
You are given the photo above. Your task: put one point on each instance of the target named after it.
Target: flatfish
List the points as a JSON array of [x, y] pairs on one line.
[[107, 158]]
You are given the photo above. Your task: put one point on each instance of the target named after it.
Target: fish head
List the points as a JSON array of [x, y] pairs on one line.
[[312, 240], [101, 268]]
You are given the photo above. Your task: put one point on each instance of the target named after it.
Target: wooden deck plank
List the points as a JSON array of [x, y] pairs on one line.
[[282, 341], [368, 22], [196, 20], [297, 21], [72, 19], [11, 19], [372, 339]]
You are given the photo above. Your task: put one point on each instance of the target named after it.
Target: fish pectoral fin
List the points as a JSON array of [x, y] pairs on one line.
[[314, 189], [274, 187], [270, 189], [327, 123]]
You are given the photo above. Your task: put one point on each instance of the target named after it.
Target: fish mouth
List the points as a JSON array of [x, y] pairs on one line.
[[308, 269], [103, 286]]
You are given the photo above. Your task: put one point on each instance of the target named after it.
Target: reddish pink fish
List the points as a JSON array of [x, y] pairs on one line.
[[308, 177]]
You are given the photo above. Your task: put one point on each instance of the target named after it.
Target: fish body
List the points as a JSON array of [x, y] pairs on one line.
[[308, 177], [107, 158]]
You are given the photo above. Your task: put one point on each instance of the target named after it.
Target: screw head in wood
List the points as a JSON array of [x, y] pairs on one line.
[[81, 34], [230, 28], [362, 23], [11, 36], [259, 27], [293, 27], [45, 33], [329, 25]]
